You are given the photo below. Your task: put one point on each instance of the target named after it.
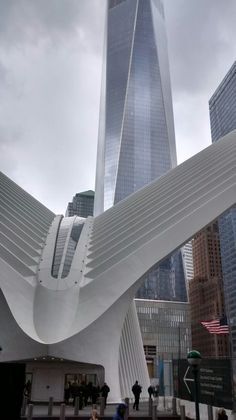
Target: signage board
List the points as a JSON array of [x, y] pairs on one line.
[[215, 383]]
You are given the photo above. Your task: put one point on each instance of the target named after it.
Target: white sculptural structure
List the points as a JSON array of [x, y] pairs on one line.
[[69, 282]]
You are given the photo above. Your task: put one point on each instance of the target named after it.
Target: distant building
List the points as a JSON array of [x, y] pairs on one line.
[[206, 295], [165, 328], [222, 107], [187, 252], [81, 205]]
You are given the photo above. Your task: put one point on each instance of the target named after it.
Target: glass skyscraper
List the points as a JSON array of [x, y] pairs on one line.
[[223, 120], [136, 133], [81, 205]]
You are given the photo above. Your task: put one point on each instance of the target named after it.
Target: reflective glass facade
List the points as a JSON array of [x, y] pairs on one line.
[[223, 106], [165, 327], [82, 205], [136, 122], [165, 281], [223, 120], [67, 238], [166, 333]]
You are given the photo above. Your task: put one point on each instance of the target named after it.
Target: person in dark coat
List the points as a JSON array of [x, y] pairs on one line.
[[27, 390], [104, 392], [67, 393], [150, 391], [120, 412], [156, 391], [86, 394], [75, 390], [90, 391], [222, 415], [136, 389], [94, 394]]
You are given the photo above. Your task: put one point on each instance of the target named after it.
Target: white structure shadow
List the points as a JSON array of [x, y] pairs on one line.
[[69, 284]]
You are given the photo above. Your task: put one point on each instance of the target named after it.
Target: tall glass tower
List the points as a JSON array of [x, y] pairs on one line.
[[136, 133]]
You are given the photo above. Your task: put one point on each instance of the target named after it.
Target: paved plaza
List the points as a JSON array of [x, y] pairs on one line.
[[164, 409]]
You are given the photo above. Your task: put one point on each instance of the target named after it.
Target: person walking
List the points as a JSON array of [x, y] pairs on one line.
[[67, 393], [222, 414], [120, 412], [136, 389], [104, 392], [150, 391], [94, 415]]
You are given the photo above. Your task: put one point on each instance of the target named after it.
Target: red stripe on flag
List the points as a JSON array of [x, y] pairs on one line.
[[214, 327]]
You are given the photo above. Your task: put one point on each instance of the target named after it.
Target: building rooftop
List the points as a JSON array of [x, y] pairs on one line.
[[89, 193], [224, 82]]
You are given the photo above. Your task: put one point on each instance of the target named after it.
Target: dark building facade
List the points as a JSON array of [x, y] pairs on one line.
[[136, 133], [82, 204], [206, 293], [223, 120]]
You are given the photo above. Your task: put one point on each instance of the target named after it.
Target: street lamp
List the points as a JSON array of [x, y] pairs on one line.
[[194, 359]]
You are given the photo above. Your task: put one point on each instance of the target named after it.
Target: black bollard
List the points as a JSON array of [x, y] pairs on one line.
[[127, 408], [50, 407], [182, 412], [150, 404], [102, 406], [30, 412], [174, 408], [154, 412], [62, 412], [24, 406], [76, 412], [210, 412]]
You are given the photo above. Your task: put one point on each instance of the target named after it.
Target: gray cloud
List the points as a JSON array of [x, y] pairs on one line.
[[201, 38], [201, 46], [30, 21], [50, 83]]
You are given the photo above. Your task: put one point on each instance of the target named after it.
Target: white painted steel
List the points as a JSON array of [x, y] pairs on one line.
[[81, 317]]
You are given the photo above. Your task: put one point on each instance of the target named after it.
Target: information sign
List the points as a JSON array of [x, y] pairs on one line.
[[215, 387]]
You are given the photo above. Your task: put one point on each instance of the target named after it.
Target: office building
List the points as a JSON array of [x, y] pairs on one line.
[[165, 328], [136, 134], [222, 107], [206, 294], [82, 205]]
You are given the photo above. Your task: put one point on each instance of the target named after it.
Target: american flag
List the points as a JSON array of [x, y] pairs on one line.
[[217, 326]]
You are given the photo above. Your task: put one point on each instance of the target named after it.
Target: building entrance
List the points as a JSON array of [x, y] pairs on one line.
[[50, 376]]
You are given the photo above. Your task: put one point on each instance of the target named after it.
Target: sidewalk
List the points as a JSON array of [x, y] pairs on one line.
[[41, 411]]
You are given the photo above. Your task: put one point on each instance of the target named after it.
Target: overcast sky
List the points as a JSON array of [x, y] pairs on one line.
[[50, 73]]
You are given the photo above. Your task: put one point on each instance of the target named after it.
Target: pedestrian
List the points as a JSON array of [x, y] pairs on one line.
[[27, 390], [67, 393], [136, 389], [81, 395], [105, 391], [90, 391], [94, 394], [86, 394], [75, 390], [156, 391], [150, 391], [94, 415], [222, 414], [120, 412]]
